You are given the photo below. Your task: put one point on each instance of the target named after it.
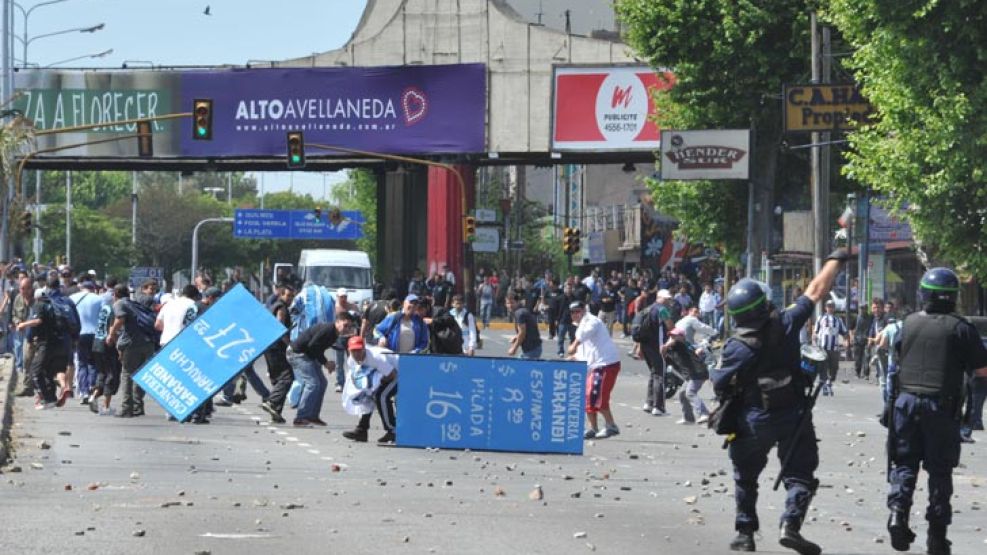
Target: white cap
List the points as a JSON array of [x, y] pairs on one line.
[[341, 292], [664, 294]]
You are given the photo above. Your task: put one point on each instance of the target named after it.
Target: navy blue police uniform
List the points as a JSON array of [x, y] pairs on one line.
[[762, 428], [939, 352]]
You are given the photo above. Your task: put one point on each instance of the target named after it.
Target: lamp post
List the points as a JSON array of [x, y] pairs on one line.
[[27, 41], [102, 54]]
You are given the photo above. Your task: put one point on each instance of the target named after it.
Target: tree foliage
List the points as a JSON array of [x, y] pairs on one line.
[[359, 192], [730, 59], [922, 65]]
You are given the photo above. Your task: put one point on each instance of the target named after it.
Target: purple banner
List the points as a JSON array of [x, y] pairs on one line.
[[409, 109]]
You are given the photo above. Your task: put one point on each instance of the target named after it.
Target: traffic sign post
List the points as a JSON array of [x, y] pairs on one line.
[[250, 223], [209, 352]]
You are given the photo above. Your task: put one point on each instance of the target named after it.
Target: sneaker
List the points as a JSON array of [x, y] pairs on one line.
[[386, 438], [339, 388], [590, 433], [657, 412], [702, 419], [239, 398], [302, 423], [743, 542], [106, 411], [647, 407], [200, 420], [274, 414], [84, 401], [124, 414], [44, 406], [683, 421], [357, 435], [609, 431], [223, 402]]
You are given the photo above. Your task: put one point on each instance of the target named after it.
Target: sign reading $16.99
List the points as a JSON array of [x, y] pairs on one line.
[[194, 365], [496, 404]]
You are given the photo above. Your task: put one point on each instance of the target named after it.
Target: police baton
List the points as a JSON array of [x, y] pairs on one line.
[[798, 434]]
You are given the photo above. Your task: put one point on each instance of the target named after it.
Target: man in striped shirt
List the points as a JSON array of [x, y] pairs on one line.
[[829, 329]]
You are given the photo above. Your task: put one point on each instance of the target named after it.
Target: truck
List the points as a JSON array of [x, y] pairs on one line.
[[338, 269]]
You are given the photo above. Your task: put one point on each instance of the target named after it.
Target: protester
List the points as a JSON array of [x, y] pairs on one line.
[[467, 323], [135, 342], [684, 356], [276, 356], [370, 382], [107, 358], [594, 346], [829, 329], [307, 354], [87, 304], [405, 331], [50, 345], [527, 337]]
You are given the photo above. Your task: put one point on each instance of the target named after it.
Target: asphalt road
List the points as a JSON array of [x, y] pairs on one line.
[[86, 484]]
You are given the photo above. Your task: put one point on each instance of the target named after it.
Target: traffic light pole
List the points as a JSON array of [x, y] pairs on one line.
[[467, 275]]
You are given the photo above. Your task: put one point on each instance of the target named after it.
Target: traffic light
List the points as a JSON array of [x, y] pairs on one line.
[[570, 240], [469, 229], [145, 141], [202, 119], [296, 150], [26, 222], [318, 213]]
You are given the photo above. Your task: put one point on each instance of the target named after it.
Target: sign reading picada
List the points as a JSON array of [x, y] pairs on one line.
[[209, 352], [709, 154]]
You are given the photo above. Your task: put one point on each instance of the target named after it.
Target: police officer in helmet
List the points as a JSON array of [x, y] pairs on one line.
[[939, 351], [760, 369]]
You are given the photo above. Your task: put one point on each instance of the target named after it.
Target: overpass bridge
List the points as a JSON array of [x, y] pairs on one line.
[[465, 82]]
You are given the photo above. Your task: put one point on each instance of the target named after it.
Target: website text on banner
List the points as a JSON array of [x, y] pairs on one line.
[[494, 404], [211, 350]]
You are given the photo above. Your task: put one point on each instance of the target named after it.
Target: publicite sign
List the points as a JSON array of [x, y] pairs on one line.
[[605, 108]]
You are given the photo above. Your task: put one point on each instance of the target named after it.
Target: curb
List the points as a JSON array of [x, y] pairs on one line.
[[8, 385]]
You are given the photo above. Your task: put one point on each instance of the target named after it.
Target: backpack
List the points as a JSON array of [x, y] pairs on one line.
[[67, 322], [446, 337], [644, 328], [145, 318]]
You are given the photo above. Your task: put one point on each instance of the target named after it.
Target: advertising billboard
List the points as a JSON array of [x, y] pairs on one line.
[[823, 108], [605, 108], [409, 109], [709, 154]]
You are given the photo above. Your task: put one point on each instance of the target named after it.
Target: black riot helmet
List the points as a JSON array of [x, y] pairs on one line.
[[938, 290], [748, 302]]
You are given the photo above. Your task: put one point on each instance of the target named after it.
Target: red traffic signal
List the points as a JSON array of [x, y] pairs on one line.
[[202, 119]]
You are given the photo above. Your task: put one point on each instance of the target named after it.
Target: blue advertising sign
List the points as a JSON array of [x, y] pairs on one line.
[[194, 365], [495, 404], [251, 223]]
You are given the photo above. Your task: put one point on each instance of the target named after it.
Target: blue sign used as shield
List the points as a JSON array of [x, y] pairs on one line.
[[495, 404], [194, 365]]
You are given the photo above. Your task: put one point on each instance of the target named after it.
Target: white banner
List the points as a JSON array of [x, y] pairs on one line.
[[710, 154]]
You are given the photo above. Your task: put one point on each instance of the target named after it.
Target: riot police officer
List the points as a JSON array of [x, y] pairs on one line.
[[940, 350], [760, 370]]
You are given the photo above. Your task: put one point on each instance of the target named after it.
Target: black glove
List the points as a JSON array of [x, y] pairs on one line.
[[841, 255]]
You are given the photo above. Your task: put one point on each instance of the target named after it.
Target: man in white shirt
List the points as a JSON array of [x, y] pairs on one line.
[[176, 314], [466, 322], [594, 345], [691, 325], [708, 302], [371, 380]]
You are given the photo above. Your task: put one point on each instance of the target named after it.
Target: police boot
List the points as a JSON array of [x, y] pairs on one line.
[[937, 544], [901, 535], [792, 539], [744, 541]]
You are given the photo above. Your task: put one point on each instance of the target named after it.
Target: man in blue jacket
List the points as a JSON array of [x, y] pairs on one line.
[[405, 331]]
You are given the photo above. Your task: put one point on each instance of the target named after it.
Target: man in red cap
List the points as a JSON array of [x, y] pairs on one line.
[[370, 381]]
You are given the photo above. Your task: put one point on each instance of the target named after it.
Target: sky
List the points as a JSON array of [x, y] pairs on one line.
[[177, 32]]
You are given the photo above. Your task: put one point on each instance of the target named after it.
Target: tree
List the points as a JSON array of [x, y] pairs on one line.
[[99, 242], [730, 59], [359, 192], [922, 68]]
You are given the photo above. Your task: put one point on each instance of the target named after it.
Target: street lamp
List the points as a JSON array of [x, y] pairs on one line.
[[102, 54], [27, 41], [214, 191]]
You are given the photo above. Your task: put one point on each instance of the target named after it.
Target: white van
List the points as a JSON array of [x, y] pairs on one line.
[[337, 268]]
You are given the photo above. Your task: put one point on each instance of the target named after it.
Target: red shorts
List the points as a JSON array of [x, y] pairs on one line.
[[599, 385]]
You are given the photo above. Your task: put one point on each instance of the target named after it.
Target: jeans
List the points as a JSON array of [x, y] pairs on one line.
[[486, 308], [253, 379], [281, 376], [656, 383], [692, 403], [86, 372], [18, 350], [565, 328], [533, 354], [132, 357], [340, 366], [309, 373], [708, 318]]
